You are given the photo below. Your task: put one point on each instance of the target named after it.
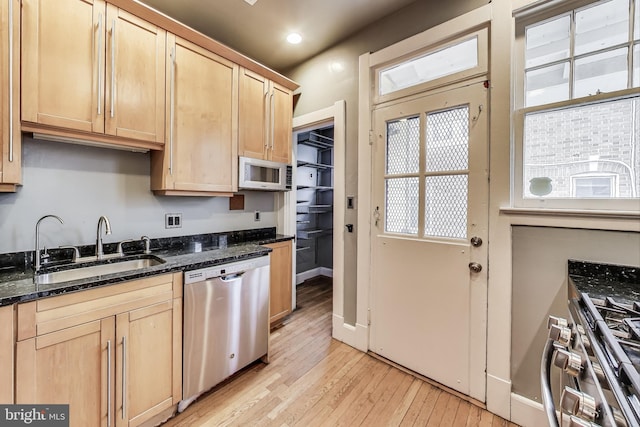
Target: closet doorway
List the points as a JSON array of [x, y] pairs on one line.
[[317, 204]]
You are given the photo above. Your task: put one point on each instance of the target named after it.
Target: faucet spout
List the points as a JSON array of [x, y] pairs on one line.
[[107, 230], [37, 251]]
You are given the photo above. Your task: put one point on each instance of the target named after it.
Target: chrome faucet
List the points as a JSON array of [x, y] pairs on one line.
[[107, 230], [37, 255], [147, 244]]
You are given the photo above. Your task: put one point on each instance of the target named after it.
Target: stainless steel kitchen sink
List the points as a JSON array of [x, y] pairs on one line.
[[84, 272]]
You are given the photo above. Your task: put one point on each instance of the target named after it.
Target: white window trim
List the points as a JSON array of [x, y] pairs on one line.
[[531, 13], [480, 69]]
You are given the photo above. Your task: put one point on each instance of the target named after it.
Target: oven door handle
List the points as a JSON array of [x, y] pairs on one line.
[[545, 375]]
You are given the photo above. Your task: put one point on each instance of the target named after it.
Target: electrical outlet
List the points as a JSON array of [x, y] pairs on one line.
[[256, 216], [173, 220]]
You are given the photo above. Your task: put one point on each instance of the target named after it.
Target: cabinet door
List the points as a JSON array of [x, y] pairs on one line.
[[145, 361], [72, 366], [63, 54], [281, 123], [252, 131], [7, 344], [10, 136], [281, 283], [203, 123], [135, 77]]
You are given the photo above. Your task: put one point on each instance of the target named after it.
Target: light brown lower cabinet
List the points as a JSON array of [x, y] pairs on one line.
[[114, 353], [7, 345], [281, 284]]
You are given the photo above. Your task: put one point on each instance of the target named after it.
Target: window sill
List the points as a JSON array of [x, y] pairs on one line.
[[575, 213]]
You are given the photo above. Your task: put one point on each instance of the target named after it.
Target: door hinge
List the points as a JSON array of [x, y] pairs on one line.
[[370, 136], [368, 316]]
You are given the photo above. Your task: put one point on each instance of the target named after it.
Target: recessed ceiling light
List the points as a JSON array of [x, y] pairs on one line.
[[294, 38], [251, 2]]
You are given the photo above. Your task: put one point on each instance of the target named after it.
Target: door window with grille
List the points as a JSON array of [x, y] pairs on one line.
[[426, 174]]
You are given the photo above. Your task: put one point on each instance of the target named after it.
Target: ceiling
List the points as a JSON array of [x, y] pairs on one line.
[[260, 31]]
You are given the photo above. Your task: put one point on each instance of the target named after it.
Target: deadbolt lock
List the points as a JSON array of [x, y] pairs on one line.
[[476, 241]]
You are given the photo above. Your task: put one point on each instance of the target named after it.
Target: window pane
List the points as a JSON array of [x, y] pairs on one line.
[[603, 25], [636, 65], [593, 187], [547, 42], [599, 138], [549, 84], [450, 60], [448, 140], [446, 206], [604, 72], [403, 146], [402, 205]]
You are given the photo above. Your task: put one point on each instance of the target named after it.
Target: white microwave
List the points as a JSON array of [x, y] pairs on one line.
[[256, 174]]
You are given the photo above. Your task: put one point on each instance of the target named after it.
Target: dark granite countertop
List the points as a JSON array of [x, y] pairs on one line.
[[179, 253], [620, 282]]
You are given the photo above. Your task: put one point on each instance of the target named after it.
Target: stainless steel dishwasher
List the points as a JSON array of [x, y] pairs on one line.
[[226, 323]]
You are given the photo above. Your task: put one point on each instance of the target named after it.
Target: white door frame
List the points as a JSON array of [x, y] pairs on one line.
[[367, 63], [337, 115]]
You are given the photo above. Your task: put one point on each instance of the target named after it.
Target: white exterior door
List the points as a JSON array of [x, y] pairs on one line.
[[429, 232]]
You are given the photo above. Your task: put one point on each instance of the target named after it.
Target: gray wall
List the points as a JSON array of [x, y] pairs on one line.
[[539, 268], [333, 76], [80, 183]]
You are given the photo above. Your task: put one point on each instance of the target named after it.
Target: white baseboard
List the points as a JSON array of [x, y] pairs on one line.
[[309, 274], [499, 396], [526, 412], [356, 336]]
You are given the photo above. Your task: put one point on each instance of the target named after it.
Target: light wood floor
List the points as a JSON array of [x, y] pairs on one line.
[[313, 380]]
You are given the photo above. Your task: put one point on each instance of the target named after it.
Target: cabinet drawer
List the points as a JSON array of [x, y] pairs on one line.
[[51, 314]]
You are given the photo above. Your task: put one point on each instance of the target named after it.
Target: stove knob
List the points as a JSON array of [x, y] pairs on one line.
[[578, 422], [560, 334], [553, 320], [569, 361], [580, 404]]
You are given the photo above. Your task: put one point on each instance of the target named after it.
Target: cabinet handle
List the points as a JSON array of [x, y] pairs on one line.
[[11, 80], [265, 113], [99, 63], [124, 376], [171, 112], [113, 67], [109, 383], [272, 119]]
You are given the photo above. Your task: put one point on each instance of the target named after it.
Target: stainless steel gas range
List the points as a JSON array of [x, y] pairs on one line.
[[597, 349]]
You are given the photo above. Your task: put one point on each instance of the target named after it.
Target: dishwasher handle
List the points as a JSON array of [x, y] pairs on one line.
[[231, 277]]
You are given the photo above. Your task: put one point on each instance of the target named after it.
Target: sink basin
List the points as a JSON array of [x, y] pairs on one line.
[[80, 272]]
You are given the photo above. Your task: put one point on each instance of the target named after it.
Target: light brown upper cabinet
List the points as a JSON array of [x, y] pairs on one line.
[[92, 71], [200, 156], [10, 137], [265, 118]]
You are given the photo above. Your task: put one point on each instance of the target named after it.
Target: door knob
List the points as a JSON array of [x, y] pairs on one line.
[[476, 241], [475, 267]]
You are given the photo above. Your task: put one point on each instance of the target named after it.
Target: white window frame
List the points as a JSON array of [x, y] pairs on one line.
[[481, 69], [613, 178], [539, 15]]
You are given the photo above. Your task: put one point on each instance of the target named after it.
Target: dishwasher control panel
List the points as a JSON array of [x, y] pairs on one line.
[[224, 269]]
